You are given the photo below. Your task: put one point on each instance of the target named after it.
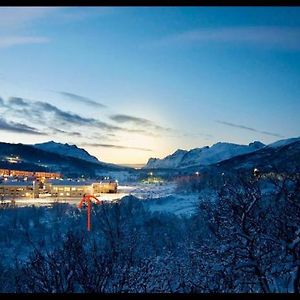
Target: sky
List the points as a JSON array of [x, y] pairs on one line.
[[130, 83]]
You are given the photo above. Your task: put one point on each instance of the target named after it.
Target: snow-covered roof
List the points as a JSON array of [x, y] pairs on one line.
[[16, 183], [106, 181], [69, 182]]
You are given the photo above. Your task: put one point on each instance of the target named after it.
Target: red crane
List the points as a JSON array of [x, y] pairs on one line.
[[87, 200]]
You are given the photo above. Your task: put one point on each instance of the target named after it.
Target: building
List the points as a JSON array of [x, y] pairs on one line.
[[18, 189], [68, 188], [105, 186], [21, 173], [58, 188], [76, 189]]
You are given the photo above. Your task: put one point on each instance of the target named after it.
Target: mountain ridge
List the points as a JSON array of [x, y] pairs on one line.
[[66, 150], [204, 156]]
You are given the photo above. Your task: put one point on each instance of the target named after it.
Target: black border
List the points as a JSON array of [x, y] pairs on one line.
[[147, 3]]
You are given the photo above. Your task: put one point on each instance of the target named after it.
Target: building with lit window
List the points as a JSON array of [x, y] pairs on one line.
[[67, 188], [76, 189], [18, 189], [105, 186], [58, 188], [21, 173]]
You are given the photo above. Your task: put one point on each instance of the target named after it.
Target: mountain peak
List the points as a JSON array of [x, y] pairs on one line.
[[67, 150], [257, 144]]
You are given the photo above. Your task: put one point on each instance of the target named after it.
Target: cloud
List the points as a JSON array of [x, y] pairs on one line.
[[1, 102], [84, 13], [68, 117], [120, 118], [72, 133], [113, 146], [81, 99], [287, 38], [17, 101], [53, 118], [18, 17], [18, 127], [8, 41], [16, 21], [250, 129]]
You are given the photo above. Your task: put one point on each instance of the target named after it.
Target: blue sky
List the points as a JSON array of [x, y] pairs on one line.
[[129, 83]]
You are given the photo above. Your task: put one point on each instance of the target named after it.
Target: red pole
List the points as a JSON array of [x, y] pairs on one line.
[[87, 199], [89, 215]]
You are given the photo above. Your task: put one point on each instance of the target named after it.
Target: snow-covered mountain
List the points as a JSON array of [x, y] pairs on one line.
[[282, 156], [169, 161], [203, 156], [284, 142], [67, 150]]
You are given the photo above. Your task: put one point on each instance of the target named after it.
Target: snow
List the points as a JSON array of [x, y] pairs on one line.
[[163, 198], [155, 197], [168, 162], [176, 204]]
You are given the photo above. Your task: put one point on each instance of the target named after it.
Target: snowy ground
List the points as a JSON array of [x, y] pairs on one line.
[[163, 198], [156, 197]]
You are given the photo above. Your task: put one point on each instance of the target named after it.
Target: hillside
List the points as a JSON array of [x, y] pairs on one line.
[[33, 158], [67, 150]]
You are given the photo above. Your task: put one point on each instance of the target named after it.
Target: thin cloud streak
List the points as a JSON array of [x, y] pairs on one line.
[[250, 129], [9, 41], [81, 99], [262, 36], [18, 17], [113, 146], [13, 21], [120, 118]]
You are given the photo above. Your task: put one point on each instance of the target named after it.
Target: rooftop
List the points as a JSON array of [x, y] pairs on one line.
[[69, 182], [16, 183]]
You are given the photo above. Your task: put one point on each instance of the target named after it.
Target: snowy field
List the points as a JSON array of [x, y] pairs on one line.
[[164, 198], [156, 197]]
